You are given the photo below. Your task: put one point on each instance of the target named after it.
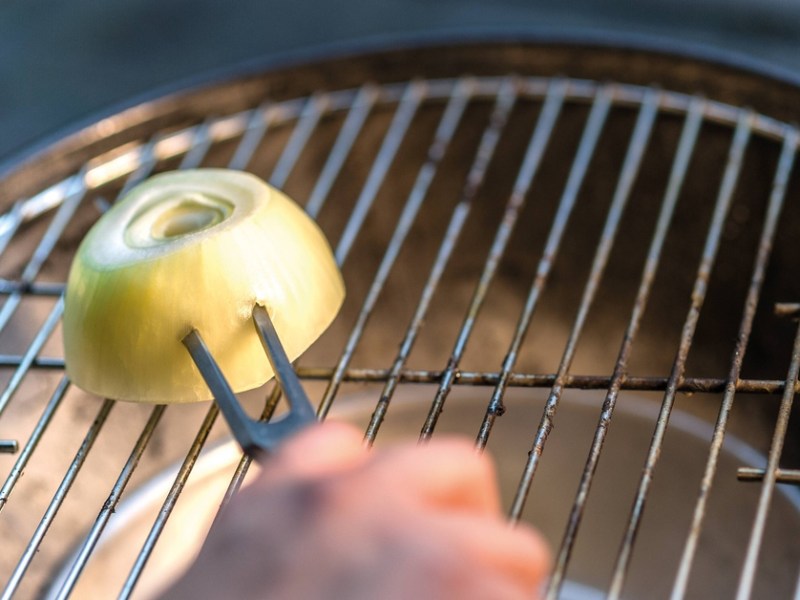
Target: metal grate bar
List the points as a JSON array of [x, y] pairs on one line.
[[588, 142], [444, 134], [258, 123], [356, 117], [776, 202], [201, 144], [58, 499], [781, 475], [685, 149], [530, 166], [486, 87], [522, 326], [169, 503], [630, 170], [10, 222], [406, 109], [147, 162], [730, 177], [315, 107], [496, 251], [708, 385], [585, 151], [110, 505], [33, 441], [73, 197], [26, 210], [504, 102], [8, 286], [27, 360], [747, 577]]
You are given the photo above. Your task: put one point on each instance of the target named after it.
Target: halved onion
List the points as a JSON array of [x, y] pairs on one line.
[[194, 249]]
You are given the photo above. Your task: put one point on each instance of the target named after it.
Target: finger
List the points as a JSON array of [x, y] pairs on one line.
[[517, 554], [322, 449], [447, 472]]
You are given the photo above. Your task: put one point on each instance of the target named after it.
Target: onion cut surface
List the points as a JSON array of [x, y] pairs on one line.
[[194, 249]]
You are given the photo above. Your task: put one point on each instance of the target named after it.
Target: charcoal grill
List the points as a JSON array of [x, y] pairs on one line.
[[582, 255]]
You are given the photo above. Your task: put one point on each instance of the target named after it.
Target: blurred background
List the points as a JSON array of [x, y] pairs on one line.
[[63, 63]]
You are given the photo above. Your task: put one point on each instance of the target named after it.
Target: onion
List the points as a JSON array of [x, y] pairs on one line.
[[194, 249]]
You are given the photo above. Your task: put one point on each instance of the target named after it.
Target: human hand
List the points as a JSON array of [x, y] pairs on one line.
[[328, 519]]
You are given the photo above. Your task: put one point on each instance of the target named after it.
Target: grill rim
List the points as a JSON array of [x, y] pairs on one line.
[[53, 156]]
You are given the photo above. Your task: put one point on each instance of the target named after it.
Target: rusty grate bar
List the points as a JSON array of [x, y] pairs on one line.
[[504, 102], [747, 577], [537, 145], [514, 206], [444, 134], [630, 169], [591, 134], [680, 165], [709, 385], [781, 475], [730, 177], [783, 171], [446, 130]]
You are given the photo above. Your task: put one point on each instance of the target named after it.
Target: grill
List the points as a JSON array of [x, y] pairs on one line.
[[582, 256]]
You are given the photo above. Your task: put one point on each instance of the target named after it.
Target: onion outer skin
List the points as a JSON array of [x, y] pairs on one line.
[[128, 306]]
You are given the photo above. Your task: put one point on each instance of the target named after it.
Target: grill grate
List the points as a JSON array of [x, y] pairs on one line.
[[381, 131]]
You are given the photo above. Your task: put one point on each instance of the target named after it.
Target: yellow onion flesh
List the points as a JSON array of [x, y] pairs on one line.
[[194, 249]]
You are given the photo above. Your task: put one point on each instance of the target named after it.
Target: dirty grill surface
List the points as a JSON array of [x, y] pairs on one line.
[[608, 244]]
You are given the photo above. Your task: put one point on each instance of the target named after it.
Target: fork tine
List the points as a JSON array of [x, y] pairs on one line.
[[284, 371], [240, 423], [255, 437]]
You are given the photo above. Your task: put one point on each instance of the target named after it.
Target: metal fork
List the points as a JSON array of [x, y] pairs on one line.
[[255, 437]]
